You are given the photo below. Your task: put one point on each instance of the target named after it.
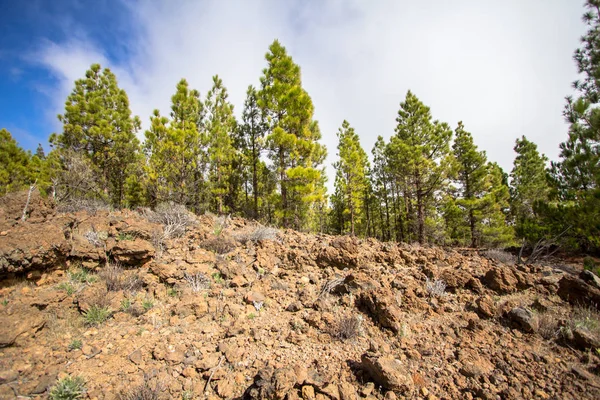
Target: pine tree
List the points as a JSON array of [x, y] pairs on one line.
[[174, 151], [496, 232], [418, 152], [97, 122], [250, 144], [528, 187], [220, 129], [39, 152], [577, 175], [351, 173], [471, 172], [15, 172], [380, 176], [292, 138]]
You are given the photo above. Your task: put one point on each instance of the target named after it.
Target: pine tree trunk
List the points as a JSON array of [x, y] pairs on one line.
[[255, 178], [284, 204], [420, 213]]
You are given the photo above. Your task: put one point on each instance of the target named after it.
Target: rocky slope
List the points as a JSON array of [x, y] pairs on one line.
[[212, 307]]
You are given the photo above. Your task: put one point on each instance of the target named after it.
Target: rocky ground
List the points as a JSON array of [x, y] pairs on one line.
[[167, 305]]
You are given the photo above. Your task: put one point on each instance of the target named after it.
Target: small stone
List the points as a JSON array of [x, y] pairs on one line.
[[8, 376], [367, 389], [294, 307], [189, 372], [136, 357], [308, 392], [3, 233], [390, 396], [254, 297]]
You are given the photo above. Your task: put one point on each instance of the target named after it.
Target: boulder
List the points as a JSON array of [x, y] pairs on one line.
[[272, 384], [590, 277], [343, 252], [33, 246], [381, 306], [132, 252], [576, 291], [387, 372], [522, 318], [501, 279], [22, 322]]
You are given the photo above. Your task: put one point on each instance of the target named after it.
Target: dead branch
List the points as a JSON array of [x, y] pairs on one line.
[[31, 189]]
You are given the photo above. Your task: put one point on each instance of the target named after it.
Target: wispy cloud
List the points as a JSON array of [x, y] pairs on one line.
[[503, 68]]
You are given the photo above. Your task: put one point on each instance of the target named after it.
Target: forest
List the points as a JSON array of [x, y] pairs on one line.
[[429, 183]]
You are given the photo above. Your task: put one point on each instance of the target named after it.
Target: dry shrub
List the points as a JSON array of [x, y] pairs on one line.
[[436, 288], [116, 279], [586, 318], [260, 233], [219, 245], [73, 205], [197, 282], [347, 328], [174, 217], [145, 391], [548, 325], [500, 255]]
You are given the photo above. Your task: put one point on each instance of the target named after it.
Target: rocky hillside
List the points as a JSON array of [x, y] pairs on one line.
[[162, 304]]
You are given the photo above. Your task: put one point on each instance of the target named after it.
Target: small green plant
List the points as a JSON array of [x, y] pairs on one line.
[[4, 302], [125, 304], [590, 265], [218, 229], [187, 395], [147, 304], [125, 236], [172, 292], [68, 388], [81, 275], [67, 287], [75, 344], [251, 316], [217, 278], [96, 315]]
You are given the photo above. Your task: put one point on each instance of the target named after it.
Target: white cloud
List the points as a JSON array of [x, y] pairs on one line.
[[503, 68]]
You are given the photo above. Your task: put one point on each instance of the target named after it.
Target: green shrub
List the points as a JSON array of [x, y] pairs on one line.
[[68, 388], [125, 236], [590, 265], [67, 287], [96, 315], [125, 305], [217, 277], [75, 344], [148, 304], [81, 275]]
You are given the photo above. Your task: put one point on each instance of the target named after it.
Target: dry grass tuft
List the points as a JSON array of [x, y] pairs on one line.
[[219, 245], [116, 279], [347, 328], [500, 255]]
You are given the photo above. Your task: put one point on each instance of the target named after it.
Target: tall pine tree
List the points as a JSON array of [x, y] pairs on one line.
[[292, 138], [174, 151], [419, 151], [471, 171], [351, 174], [528, 188], [250, 144], [220, 130], [97, 122], [577, 175]]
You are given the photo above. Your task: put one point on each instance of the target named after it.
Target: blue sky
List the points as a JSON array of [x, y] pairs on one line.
[[28, 86], [503, 68]]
